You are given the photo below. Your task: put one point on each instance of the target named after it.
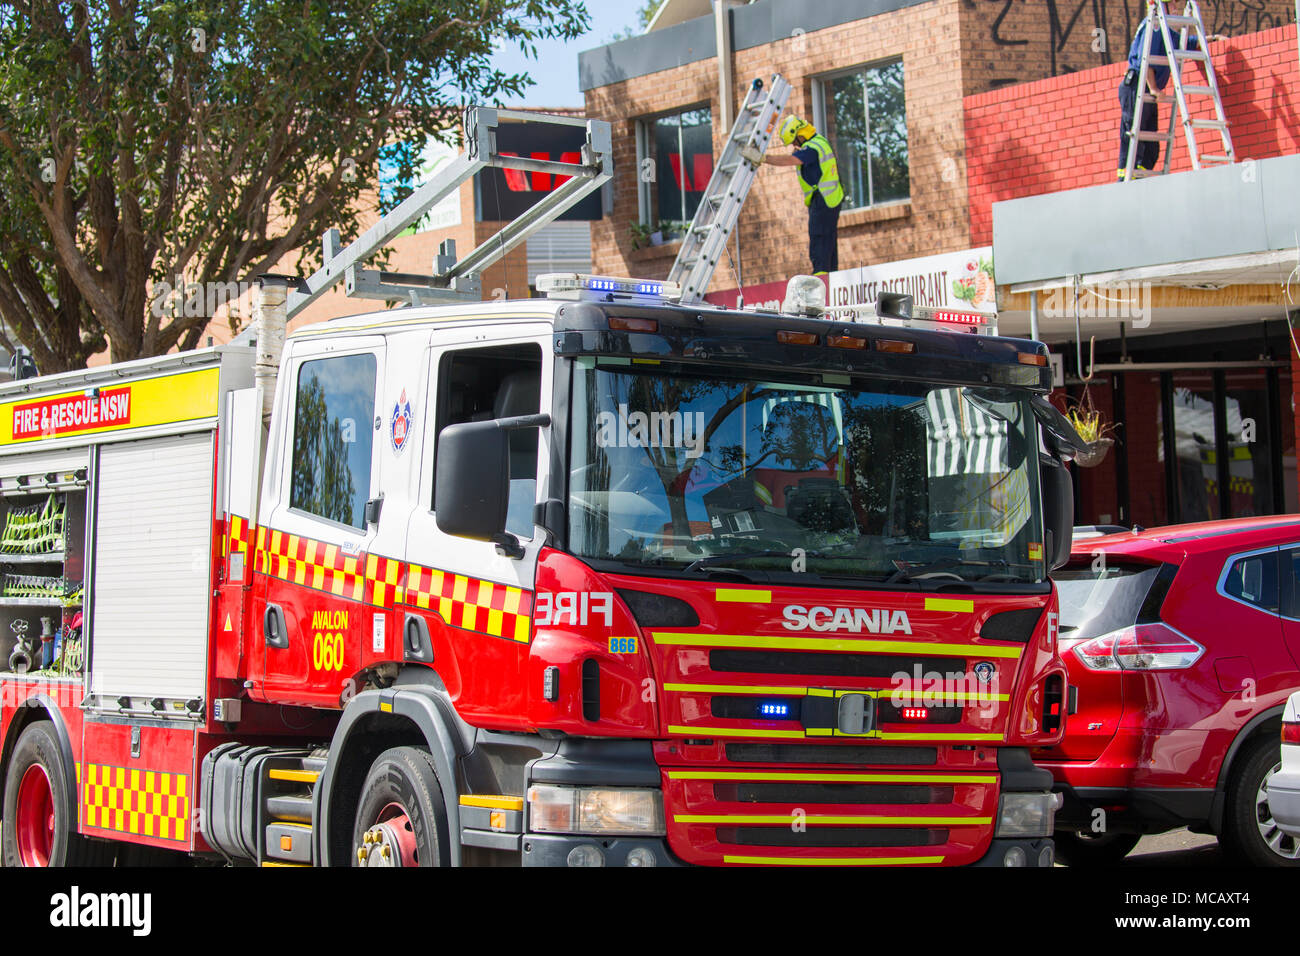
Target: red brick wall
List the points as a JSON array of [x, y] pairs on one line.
[[1063, 133], [1015, 41], [773, 226]]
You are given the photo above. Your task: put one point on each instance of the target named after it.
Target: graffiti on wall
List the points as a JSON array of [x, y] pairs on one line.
[[1080, 34]]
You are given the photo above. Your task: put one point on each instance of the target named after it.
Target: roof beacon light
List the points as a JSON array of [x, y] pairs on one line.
[[578, 286], [894, 308], [805, 295]]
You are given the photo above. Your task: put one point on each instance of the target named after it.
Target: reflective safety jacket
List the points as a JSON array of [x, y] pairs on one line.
[[829, 183]]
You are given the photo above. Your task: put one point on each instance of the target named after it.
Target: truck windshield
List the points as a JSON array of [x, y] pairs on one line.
[[880, 481]]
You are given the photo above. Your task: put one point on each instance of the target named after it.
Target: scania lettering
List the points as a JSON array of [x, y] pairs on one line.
[[873, 620], [379, 593]]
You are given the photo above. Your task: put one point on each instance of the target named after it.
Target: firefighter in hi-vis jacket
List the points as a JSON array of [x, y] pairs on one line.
[[819, 176]]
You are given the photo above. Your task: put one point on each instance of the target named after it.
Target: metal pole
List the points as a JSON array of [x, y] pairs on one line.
[[722, 34], [1033, 316]]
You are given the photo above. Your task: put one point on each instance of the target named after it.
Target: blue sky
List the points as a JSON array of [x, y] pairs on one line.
[[555, 71]]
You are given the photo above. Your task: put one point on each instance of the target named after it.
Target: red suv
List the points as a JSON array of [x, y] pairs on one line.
[[1182, 645]]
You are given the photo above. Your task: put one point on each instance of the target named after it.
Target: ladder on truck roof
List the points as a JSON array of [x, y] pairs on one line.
[[458, 280], [719, 210], [1191, 28]]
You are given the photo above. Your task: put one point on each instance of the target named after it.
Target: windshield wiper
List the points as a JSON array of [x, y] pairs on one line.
[[701, 564], [943, 564]]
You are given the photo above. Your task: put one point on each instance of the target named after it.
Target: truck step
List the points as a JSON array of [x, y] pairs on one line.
[[289, 842], [289, 808], [294, 776]]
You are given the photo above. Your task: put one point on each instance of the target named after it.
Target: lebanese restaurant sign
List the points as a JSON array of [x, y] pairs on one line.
[[962, 281], [951, 280]]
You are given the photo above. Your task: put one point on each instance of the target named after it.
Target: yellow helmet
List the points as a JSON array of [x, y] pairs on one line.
[[793, 127]]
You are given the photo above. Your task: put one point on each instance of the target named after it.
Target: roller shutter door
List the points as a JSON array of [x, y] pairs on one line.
[[153, 545]]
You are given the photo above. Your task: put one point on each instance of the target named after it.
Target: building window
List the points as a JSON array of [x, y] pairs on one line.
[[680, 147], [332, 438], [862, 113]]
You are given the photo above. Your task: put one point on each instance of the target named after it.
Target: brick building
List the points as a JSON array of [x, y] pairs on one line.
[[914, 61], [1009, 118], [1186, 281]]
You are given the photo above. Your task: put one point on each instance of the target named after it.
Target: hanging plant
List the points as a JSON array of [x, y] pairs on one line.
[[1093, 429]]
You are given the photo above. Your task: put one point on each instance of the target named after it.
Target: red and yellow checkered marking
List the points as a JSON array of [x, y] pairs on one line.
[[486, 607], [148, 803], [313, 564], [239, 536], [471, 603]]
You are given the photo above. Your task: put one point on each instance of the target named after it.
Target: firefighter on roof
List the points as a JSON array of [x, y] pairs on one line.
[[822, 193]]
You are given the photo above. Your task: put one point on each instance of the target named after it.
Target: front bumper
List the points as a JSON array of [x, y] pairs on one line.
[[1134, 809], [1036, 853], [554, 849]]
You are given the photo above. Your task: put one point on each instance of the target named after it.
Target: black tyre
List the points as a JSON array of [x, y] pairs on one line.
[[40, 815], [1250, 834], [401, 820], [1084, 848]]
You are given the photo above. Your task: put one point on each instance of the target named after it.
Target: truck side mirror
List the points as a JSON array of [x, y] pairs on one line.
[[1058, 510], [472, 480]]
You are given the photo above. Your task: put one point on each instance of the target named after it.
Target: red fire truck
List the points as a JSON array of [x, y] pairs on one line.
[[590, 579]]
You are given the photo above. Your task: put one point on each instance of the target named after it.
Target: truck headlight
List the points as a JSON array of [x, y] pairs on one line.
[[1027, 814], [595, 810]]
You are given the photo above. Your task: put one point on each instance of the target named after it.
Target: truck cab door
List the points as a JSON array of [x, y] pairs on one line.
[[316, 520], [475, 603]]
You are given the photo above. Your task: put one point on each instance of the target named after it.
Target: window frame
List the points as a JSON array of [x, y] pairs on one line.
[[644, 147], [375, 354], [1288, 596], [819, 103], [441, 359], [1231, 561]]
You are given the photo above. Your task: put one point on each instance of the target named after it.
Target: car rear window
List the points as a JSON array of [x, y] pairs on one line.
[[1098, 597]]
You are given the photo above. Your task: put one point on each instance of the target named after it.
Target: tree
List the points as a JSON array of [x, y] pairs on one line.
[[643, 16], [141, 141]]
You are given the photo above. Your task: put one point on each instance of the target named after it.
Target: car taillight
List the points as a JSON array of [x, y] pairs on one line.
[[1290, 733], [1143, 647]]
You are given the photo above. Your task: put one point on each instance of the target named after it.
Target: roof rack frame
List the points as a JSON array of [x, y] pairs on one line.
[[459, 281]]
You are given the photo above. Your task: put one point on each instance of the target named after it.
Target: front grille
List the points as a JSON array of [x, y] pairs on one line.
[[831, 665], [832, 836], [829, 793], [825, 753]]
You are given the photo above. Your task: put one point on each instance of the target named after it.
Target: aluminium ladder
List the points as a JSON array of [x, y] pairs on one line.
[[1189, 26], [719, 210]]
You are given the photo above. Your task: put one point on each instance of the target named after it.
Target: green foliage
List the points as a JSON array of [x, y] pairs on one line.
[[643, 16], [144, 140]]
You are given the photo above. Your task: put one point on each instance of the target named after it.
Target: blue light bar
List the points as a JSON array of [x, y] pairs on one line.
[[775, 710]]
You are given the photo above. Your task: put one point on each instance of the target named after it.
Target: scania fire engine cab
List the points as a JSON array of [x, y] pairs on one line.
[[598, 578]]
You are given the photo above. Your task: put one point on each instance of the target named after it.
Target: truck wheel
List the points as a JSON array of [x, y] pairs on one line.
[[1250, 834], [1083, 848], [39, 826], [401, 820]]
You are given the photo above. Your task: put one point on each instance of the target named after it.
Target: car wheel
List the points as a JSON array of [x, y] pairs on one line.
[[40, 818], [1084, 848], [1250, 834], [401, 820]]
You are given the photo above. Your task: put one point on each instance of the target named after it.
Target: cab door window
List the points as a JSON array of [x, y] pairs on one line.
[[332, 438], [477, 385]]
